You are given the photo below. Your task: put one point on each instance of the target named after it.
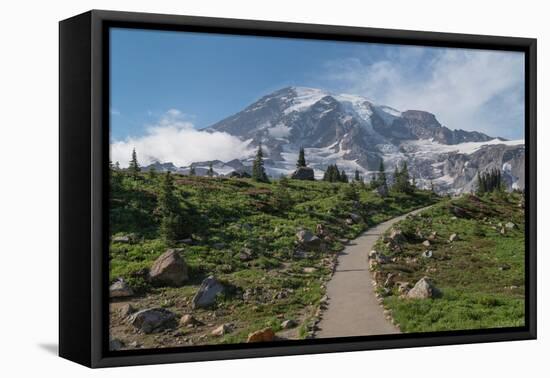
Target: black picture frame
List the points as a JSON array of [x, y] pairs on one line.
[[83, 195]]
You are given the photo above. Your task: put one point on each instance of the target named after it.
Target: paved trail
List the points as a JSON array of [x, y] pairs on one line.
[[352, 306]]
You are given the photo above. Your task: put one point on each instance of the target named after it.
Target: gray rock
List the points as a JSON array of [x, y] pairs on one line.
[[290, 323], [123, 239], [303, 173], [245, 254], [153, 320], [356, 217], [221, 330], [453, 237], [510, 225], [308, 240], [426, 243], [206, 295], [349, 221], [127, 310], [120, 289], [115, 344], [423, 289], [427, 254], [169, 269]]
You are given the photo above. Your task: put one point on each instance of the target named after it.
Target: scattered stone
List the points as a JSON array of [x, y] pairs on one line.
[[221, 330], [309, 269], [356, 217], [187, 241], [206, 295], [262, 335], [427, 254], [503, 231], [169, 269], [453, 237], [115, 344], [120, 289], [349, 221], [373, 254], [389, 280], [290, 323], [153, 320], [423, 289], [510, 225], [246, 254], [426, 243], [320, 230], [134, 344], [127, 310], [187, 320], [307, 240], [123, 239], [403, 287], [303, 173], [504, 267]]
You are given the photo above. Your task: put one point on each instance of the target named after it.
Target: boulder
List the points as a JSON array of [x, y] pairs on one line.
[[453, 237], [349, 221], [426, 243], [153, 320], [262, 335], [206, 295], [169, 269], [308, 240], [423, 289], [303, 173], [120, 289], [290, 323]]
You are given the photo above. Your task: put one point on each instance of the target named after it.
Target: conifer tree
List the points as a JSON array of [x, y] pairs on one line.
[[382, 176], [210, 171], [357, 177], [343, 176], [152, 173], [301, 159], [171, 225], [258, 170], [134, 167], [192, 171]]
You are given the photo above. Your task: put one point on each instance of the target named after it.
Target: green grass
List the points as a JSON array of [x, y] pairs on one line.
[[227, 215], [481, 275]]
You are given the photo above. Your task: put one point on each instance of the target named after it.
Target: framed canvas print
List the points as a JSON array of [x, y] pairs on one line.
[[234, 188]]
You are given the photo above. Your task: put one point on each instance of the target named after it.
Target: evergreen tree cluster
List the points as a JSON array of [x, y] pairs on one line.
[[380, 180], [172, 226], [333, 174], [402, 179], [490, 181]]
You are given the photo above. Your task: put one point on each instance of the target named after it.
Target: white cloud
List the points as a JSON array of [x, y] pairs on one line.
[[173, 139], [279, 131], [465, 89]]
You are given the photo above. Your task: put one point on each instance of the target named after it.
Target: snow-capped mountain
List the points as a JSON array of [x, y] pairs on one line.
[[357, 133]]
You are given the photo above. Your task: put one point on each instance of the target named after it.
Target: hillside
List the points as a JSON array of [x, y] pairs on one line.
[[472, 251], [247, 236]]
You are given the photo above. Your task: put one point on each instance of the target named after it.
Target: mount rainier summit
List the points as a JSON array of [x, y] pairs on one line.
[[356, 133]]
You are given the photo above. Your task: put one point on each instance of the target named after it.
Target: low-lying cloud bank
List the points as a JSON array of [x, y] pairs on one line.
[[175, 140]]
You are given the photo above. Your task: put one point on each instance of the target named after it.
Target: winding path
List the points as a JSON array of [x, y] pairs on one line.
[[353, 309]]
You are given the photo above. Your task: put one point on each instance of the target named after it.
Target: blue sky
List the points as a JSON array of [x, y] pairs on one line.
[[201, 79]]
